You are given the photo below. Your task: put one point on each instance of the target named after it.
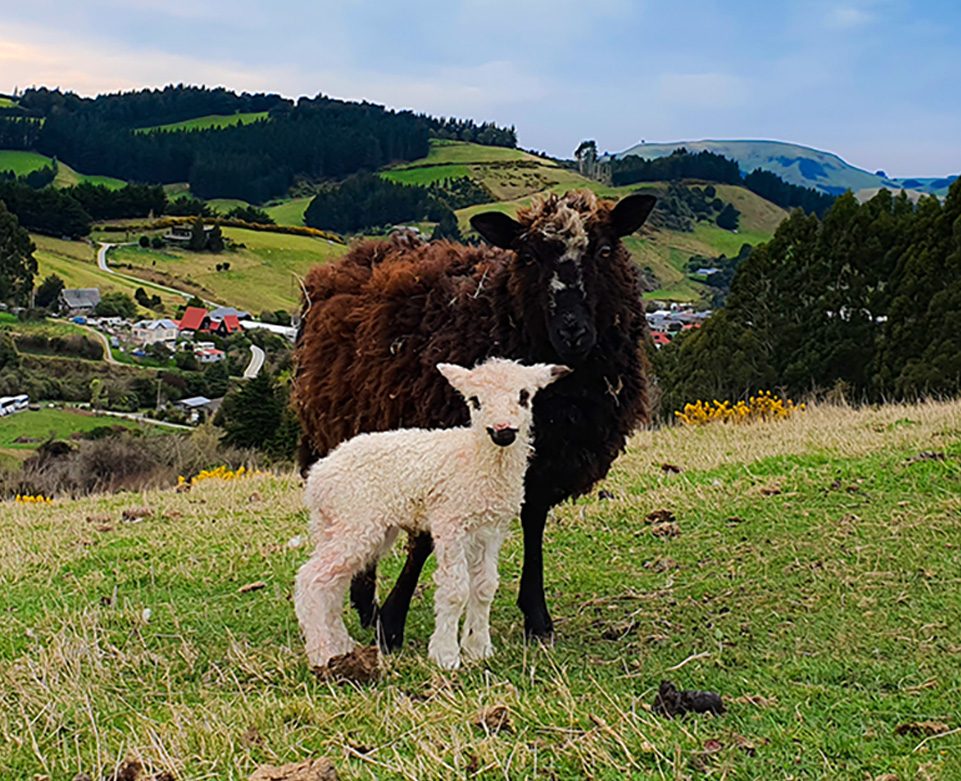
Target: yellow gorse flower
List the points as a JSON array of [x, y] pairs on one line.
[[764, 406], [218, 473], [38, 499]]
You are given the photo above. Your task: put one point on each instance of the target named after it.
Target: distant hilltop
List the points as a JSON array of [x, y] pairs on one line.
[[797, 164]]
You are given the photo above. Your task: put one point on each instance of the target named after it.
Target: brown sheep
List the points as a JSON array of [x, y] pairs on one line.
[[558, 286]]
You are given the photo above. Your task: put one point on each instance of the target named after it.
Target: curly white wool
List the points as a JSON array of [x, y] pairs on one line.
[[458, 484]]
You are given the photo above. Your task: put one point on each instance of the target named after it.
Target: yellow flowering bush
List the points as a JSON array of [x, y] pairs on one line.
[[764, 406], [218, 473], [38, 499]]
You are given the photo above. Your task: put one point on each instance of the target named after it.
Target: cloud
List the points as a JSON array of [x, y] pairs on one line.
[[702, 90], [846, 18]]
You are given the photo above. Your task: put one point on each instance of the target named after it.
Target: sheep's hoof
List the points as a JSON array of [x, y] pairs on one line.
[[540, 628], [481, 651], [390, 640]]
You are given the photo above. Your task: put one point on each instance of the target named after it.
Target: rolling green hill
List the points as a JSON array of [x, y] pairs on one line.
[[795, 164], [208, 122], [263, 274], [22, 163]]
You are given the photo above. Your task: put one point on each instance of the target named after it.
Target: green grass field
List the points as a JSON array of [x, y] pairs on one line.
[[59, 423], [289, 212], [6, 102], [262, 276], [811, 580], [22, 163], [75, 263], [208, 122], [422, 177]]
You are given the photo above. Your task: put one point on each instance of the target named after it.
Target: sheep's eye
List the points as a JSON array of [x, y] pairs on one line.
[[525, 397], [605, 251], [474, 402]]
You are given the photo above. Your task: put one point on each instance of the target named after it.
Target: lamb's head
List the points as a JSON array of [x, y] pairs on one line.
[[499, 394], [564, 246]]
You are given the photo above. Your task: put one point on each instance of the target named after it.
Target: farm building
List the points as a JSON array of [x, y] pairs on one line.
[[78, 301]]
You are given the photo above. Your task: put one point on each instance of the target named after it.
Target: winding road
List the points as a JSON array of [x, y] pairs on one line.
[[256, 354], [256, 362]]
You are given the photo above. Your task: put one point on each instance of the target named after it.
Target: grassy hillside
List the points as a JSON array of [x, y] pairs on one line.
[[208, 122], [46, 423], [261, 276], [75, 263], [811, 580], [23, 163], [289, 212], [507, 173]]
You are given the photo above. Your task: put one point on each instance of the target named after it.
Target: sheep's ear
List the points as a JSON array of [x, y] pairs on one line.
[[631, 212], [499, 229], [456, 375], [551, 373]]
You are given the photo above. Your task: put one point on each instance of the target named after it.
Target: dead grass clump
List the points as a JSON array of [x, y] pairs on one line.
[[309, 770]]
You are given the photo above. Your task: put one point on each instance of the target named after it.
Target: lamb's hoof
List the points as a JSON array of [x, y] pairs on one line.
[[446, 661], [485, 651]]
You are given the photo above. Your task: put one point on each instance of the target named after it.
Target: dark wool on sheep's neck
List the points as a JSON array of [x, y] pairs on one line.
[[378, 321]]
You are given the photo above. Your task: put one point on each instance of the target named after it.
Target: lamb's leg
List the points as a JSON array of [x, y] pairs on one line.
[[531, 600], [392, 616], [453, 584], [319, 599], [476, 639]]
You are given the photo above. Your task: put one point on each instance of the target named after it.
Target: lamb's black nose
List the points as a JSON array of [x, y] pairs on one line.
[[502, 436]]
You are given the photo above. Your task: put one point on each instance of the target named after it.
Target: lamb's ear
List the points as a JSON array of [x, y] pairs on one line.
[[631, 212], [551, 373], [456, 375], [499, 229]]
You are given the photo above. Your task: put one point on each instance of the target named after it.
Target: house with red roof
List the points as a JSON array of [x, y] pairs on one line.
[[660, 338], [230, 324], [195, 319]]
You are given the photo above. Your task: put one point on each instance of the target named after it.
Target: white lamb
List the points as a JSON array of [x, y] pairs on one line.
[[463, 485]]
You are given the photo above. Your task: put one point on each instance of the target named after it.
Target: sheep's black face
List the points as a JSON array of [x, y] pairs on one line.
[[568, 246]]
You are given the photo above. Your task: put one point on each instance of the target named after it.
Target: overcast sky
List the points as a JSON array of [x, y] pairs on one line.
[[875, 81]]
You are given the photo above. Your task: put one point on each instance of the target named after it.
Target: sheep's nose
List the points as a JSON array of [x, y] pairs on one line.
[[502, 434]]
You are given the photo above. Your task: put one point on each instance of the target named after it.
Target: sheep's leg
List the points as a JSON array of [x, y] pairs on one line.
[[363, 595], [531, 600], [476, 639], [392, 616], [453, 585]]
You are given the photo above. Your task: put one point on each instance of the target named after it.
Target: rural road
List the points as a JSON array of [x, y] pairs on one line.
[[256, 362], [102, 264], [144, 419], [107, 354]]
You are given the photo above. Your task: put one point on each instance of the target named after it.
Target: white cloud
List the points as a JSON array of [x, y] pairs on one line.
[[702, 90], [846, 18]]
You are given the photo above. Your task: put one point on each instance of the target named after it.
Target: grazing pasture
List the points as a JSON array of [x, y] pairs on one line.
[[809, 575], [211, 121]]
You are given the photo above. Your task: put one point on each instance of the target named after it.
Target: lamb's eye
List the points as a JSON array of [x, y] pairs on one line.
[[474, 402], [605, 251], [525, 397]]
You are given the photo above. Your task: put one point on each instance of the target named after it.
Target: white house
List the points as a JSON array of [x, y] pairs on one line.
[[210, 355], [152, 331]]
